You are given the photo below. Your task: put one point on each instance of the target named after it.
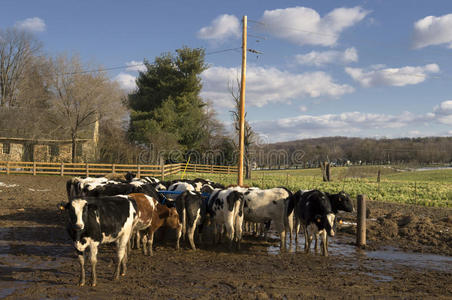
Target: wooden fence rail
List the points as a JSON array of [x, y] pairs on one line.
[[97, 169]]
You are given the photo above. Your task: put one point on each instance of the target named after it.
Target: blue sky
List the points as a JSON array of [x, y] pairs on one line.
[[351, 68]]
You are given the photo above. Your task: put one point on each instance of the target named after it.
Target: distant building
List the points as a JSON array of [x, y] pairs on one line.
[[33, 135]]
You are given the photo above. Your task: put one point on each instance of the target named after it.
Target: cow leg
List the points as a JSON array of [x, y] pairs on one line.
[[179, 234], [122, 257], [289, 226], [81, 260], [238, 231], [184, 224], [307, 239], [150, 242], [135, 237], [297, 229], [283, 239], [191, 233], [145, 241], [229, 233], [279, 226], [324, 243], [316, 246], [93, 259], [129, 245]]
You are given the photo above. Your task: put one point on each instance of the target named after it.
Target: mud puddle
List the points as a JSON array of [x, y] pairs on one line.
[[381, 260], [414, 260]]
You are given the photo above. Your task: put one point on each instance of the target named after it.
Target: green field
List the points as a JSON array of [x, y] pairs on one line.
[[428, 188]]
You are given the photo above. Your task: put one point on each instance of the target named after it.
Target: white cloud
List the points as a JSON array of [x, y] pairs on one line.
[[433, 30], [31, 24], [126, 81], [347, 123], [315, 58], [304, 26], [137, 66], [269, 85], [303, 108], [223, 27], [443, 112], [392, 76]]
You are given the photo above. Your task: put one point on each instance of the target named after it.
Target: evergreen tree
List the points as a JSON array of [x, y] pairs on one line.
[[167, 109]]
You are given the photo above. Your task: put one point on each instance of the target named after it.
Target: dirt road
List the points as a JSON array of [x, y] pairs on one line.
[[37, 260]]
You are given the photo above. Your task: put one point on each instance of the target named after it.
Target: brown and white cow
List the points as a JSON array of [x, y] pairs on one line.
[[151, 215]]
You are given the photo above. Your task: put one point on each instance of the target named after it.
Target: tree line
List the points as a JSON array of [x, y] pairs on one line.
[[353, 150], [165, 111]]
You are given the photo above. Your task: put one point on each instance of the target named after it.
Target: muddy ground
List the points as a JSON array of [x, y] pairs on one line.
[[409, 255]]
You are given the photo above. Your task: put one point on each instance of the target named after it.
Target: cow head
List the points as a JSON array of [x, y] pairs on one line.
[[172, 220], [78, 214], [344, 202], [129, 176], [207, 188]]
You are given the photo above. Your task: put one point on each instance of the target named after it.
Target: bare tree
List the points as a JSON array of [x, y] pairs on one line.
[[81, 98], [33, 90], [17, 49], [214, 128], [249, 133]]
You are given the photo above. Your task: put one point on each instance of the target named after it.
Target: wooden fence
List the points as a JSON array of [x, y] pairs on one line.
[[91, 169]]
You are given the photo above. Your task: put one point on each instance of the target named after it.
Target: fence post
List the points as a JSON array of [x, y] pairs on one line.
[[195, 167], [87, 170], [228, 170], [7, 167], [361, 221], [162, 169], [62, 169], [415, 192], [113, 168], [211, 169], [34, 168], [139, 171]]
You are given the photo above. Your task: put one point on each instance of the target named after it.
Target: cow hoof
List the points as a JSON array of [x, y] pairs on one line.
[[93, 284], [81, 283]]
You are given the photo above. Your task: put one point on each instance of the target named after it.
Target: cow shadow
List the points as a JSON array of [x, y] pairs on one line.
[[44, 216]]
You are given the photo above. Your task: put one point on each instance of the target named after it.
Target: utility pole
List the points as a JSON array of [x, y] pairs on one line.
[[242, 105]]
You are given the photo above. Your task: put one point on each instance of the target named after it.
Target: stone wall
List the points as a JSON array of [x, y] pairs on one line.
[[43, 152], [15, 154]]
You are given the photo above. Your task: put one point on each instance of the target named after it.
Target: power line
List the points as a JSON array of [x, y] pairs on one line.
[[295, 29], [138, 65]]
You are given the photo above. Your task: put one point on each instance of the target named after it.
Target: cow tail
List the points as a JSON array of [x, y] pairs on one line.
[[182, 211]]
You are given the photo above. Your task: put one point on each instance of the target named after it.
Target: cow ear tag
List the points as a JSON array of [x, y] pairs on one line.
[[340, 221], [61, 207], [318, 220]]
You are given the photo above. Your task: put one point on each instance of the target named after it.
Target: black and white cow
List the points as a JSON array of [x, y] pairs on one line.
[[339, 202], [191, 208], [225, 207], [314, 212], [78, 187], [95, 221], [98, 187], [262, 206]]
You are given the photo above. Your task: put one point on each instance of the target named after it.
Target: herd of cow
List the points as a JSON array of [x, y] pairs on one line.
[[128, 211]]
